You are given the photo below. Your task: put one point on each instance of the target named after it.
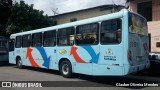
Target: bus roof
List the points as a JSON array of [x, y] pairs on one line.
[[80, 22]]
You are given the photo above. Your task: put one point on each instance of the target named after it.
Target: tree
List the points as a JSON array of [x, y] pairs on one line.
[[24, 17], [5, 12]]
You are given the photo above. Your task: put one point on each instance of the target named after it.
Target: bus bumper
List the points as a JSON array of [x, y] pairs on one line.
[[107, 70], [133, 69]]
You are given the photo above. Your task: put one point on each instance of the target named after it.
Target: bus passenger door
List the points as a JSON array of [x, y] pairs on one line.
[[11, 51]]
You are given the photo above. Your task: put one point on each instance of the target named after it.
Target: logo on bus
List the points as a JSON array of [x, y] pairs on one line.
[[62, 51], [109, 55], [109, 52]]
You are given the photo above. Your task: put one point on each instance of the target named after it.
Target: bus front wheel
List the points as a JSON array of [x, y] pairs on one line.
[[19, 63], [66, 69]]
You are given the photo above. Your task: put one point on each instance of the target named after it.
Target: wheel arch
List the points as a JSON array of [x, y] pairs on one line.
[[17, 57], [64, 59], [65, 67]]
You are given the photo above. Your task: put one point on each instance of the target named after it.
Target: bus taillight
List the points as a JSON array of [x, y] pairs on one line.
[[130, 57]]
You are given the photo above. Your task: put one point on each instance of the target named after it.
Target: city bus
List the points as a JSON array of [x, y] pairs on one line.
[[115, 44], [3, 49]]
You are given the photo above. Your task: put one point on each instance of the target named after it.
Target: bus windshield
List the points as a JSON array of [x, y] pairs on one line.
[[137, 24]]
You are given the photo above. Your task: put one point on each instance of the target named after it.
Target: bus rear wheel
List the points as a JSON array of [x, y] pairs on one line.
[[19, 63], [66, 69]]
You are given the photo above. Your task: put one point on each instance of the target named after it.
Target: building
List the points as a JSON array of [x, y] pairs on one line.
[[150, 9], [85, 13]]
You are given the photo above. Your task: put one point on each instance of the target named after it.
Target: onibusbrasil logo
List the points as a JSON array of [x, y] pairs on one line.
[[21, 84]]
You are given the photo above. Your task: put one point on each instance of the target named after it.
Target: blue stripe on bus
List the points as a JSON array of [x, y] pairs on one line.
[[44, 56], [92, 53]]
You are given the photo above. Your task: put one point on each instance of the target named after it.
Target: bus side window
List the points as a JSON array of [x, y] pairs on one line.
[[49, 38], [18, 42], [65, 36], [26, 40], [37, 40], [111, 31], [11, 45], [87, 34]]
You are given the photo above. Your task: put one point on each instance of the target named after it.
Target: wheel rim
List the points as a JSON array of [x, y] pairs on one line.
[[19, 63], [65, 69]]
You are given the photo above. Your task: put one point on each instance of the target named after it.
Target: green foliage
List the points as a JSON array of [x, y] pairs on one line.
[[5, 12], [24, 18]]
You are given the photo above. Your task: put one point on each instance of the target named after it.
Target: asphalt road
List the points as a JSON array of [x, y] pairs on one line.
[[12, 73]]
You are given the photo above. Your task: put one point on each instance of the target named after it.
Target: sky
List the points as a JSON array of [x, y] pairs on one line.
[[63, 6]]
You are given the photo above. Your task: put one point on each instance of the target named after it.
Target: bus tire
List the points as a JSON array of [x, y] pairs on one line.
[[19, 63], [66, 69]]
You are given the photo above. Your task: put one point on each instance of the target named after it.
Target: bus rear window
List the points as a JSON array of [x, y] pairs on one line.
[[137, 24]]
